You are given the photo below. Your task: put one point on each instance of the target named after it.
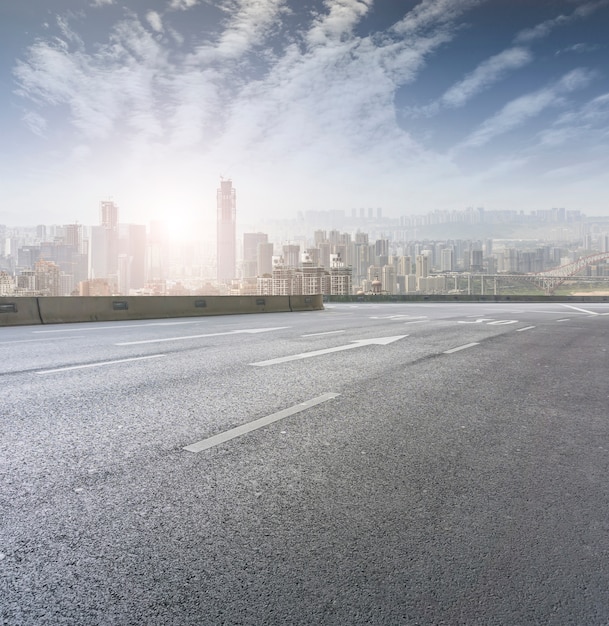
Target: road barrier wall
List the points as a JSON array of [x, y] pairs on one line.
[[19, 311], [57, 310], [306, 303]]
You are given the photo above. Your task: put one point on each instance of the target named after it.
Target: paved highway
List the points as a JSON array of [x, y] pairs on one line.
[[423, 463]]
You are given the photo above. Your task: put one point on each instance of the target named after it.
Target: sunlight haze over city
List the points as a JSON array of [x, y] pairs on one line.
[[411, 106]]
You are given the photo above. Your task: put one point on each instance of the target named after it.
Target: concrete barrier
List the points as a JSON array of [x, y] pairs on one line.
[[57, 310], [306, 303], [19, 311]]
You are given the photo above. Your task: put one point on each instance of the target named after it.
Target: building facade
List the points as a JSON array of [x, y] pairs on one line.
[[226, 231]]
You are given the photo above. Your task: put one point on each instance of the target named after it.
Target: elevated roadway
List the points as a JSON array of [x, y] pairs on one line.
[[391, 463]]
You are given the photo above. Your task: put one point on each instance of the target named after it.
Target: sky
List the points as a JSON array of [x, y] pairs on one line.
[[409, 106]]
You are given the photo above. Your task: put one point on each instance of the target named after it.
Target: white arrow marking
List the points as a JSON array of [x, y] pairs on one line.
[[250, 331], [380, 341]]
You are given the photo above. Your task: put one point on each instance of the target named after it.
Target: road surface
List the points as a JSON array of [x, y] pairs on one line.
[[399, 463]]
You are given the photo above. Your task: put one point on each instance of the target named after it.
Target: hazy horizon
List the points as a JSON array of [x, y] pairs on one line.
[[431, 105]]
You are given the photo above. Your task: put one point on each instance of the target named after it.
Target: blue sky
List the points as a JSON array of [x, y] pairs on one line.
[[410, 106]]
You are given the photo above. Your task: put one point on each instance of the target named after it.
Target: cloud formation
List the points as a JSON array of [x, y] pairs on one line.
[[271, 88], [520, 110]]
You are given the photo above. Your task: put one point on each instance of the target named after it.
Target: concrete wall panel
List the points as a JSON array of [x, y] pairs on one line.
[[19, 311]]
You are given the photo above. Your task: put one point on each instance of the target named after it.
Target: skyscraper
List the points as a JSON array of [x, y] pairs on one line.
[[104, 244], [227, 231], [250, 252]]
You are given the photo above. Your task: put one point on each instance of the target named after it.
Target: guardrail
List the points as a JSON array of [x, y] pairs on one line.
[[57, 310], [464, 298]]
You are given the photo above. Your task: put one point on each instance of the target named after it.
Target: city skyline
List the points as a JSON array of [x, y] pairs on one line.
[[338, 105]]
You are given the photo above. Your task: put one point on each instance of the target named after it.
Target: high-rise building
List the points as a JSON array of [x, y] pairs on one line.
[[250, 244], [422, 266], [250, 252], [265, 259], [104, 244], [447, 260], [388, 279], [109, 214], [226, 231], [291, 255]]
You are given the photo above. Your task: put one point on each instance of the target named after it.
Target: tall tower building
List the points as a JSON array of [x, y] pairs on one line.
[[109, 214], [226, 231]]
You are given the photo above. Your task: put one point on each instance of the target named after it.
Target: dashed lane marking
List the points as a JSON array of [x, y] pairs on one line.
[[99, 364], [467, 345], [205, 444]]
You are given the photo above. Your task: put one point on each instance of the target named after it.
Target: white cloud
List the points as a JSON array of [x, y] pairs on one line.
[[580, 48], [433, 13], [545, 28], [588, 121], [338, 22], [35, 122], [183, 5], [249, 24], [161, 121], [487, 73], [155, 21], [520, 110], [117, 83]]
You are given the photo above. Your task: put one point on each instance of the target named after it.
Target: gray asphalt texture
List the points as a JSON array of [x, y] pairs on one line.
[[469, 487]]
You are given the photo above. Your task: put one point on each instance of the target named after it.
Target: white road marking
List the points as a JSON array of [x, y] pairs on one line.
[[100, 364], [395, 317], [113, 326], [205, 444], [381, 341], [251, 331], [467, 345], [576, 308], [415, 322], [330, 332], [88, 328], [566, 319], [519, 330], [4, 343]]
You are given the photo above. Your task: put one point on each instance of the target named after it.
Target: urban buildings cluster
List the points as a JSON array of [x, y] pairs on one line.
[[325, 252]]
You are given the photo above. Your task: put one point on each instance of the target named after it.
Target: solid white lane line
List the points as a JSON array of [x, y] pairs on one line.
[[205, 444], [330, 332], [519, 330], [250, 331], [467, 345], [100, 364]]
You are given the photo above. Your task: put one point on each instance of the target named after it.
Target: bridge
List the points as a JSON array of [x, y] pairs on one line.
[[548, 281]]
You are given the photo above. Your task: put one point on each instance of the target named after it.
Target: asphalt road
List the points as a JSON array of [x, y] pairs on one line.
[[422, 463]]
